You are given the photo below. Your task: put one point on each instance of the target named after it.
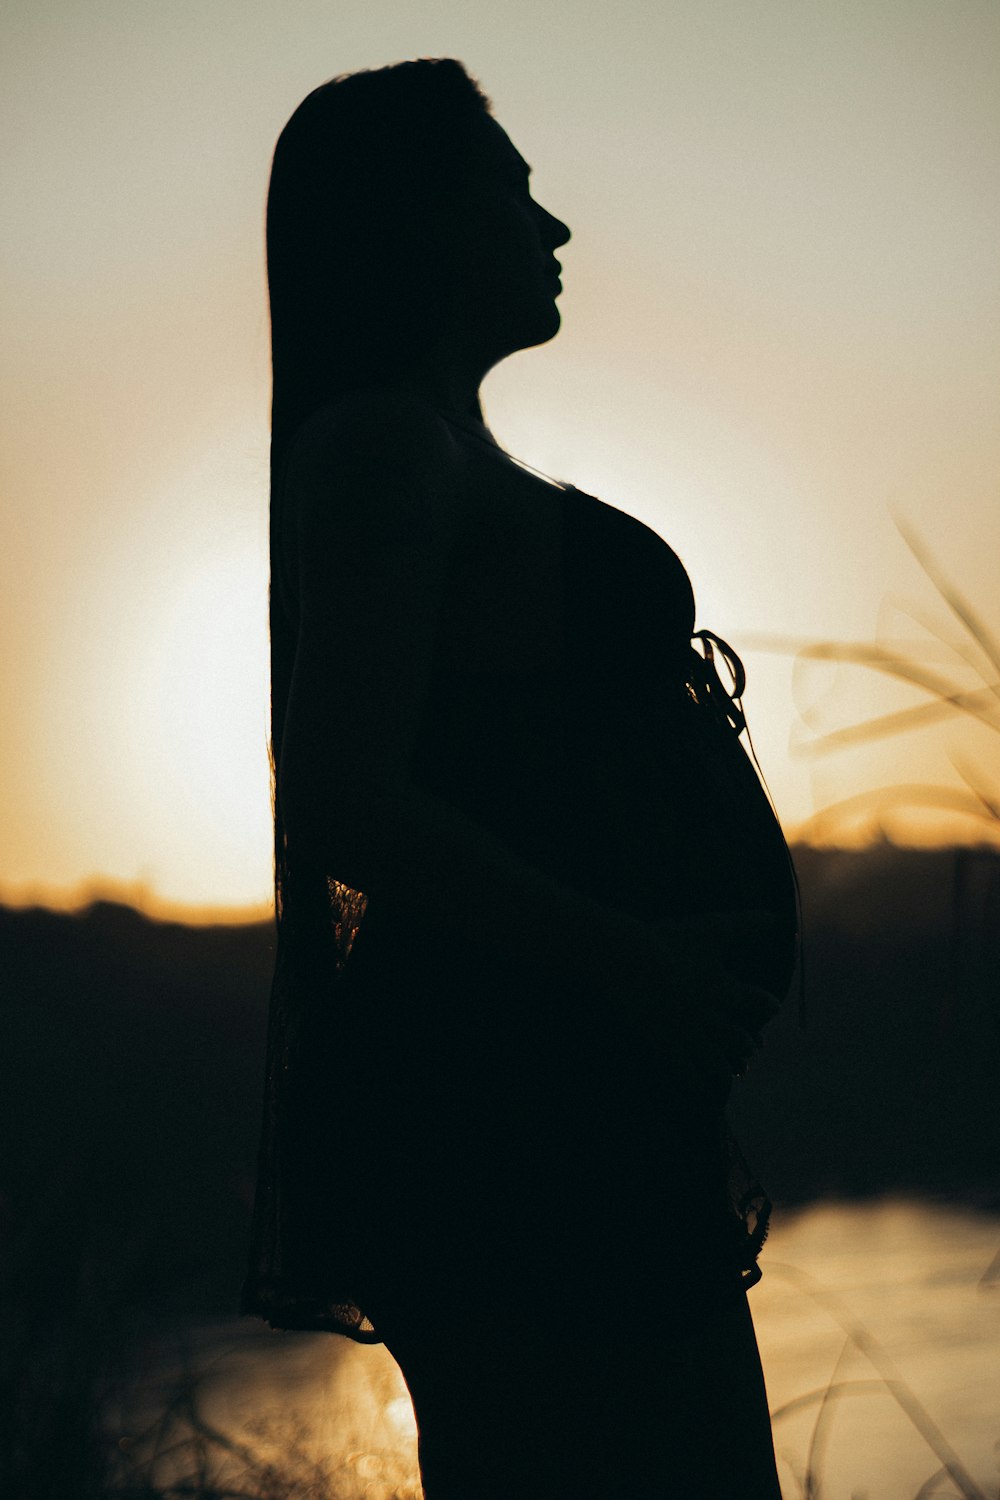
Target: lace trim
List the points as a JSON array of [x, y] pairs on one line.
[[284, 1308], [348, 908]]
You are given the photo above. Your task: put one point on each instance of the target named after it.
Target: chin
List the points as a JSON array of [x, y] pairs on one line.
[[554, 325], [543, 325]]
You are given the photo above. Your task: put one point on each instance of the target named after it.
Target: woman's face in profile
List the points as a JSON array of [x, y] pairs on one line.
[[509, 269]]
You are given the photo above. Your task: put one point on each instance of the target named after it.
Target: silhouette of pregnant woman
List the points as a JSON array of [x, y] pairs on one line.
[[533, 906]]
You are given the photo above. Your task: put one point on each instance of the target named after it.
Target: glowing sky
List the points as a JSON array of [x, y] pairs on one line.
[[781, 318]]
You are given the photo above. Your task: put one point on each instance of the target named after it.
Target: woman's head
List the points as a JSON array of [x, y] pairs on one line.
[[396, 205]]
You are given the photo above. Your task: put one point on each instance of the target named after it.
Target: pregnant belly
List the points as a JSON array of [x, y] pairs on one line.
[[734, 855], [671, 821]]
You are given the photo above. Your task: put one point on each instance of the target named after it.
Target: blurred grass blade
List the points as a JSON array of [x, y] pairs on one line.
[[955, 647], [821, 1427], [897, 722], [906, 1398], [975, 787], [905, 795], [959, 606]]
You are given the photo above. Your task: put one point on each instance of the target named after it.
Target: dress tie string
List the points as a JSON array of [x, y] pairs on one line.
[[708, 687]]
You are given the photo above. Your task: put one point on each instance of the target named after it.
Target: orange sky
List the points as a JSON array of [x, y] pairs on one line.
[[781, 320]]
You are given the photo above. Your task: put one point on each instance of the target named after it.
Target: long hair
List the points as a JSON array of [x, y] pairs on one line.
[[369, 182]]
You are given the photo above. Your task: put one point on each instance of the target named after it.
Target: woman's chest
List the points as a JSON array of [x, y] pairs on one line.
[[546, 580], [503, 607]]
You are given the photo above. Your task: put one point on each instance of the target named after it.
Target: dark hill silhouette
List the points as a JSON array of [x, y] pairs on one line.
[[133, 1054], [891, 1085]]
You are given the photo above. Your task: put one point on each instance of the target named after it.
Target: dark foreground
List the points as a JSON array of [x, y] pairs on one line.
[[132, 1058]]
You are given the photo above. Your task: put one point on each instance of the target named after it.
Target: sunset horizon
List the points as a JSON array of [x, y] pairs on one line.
[[780, 344]]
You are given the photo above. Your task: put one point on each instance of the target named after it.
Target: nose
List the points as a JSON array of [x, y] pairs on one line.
[[555, 231], [564, 232]]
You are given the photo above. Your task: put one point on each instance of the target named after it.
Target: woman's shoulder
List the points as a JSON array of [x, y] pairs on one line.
[[374, 427], [373, 471]]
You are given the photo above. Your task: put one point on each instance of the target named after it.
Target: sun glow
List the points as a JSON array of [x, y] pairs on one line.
[[198, 727]]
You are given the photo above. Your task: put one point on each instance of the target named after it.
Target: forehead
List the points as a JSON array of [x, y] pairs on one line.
[[500, 149]]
